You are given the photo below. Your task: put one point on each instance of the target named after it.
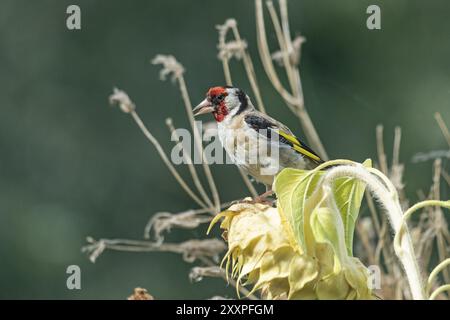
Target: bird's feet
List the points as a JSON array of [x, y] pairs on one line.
[[262, 199]]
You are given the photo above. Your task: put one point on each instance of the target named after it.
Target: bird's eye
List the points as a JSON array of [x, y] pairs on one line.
[[220, 97]]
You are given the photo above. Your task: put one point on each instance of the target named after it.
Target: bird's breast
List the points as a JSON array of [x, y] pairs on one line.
[[255, 154]]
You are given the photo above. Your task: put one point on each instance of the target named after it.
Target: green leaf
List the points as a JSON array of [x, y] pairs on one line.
[[293, 187], [327, 228], [348, 194]]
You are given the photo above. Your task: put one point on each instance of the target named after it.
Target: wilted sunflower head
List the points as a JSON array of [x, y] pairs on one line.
[[299, 250]]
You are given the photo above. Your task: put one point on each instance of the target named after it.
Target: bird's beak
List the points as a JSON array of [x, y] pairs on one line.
[[203, 107]]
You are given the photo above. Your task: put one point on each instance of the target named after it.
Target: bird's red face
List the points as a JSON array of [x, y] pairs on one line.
[[214, 103]]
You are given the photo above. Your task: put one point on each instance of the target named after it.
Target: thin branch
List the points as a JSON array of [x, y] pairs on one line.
[[227, 72], [403, 226], [266, 57], [224, 55], [397, 168], [382, 159], [396, 148], [238, 49], [172, 66], [446, 177], [381, 230], [190, 250], [165, 221], [248, 64], [166, 160], [191, 167], [443, 127], [286, 29], [120, 97], [198, 142], [282, 43], [436, 187], [373, 211], [365, 241], [189, 219], [294, 101], [248, 183], [440, 222]]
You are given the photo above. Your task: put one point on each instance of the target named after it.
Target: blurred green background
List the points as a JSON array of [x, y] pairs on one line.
[[71, 166]]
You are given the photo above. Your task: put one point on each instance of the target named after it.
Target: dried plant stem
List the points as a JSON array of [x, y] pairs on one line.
[[191, 167], [173, 67], [165, 221], [383, 245], [285, 22], [191, 250], [227, 72], [198, 142], [250, 70], [443, 127], [365, 241], [380, 248], [248, 183], [244, 176], [166, 160], [139, 246], [296, 86], [436, 187], [282, 43], [425, 243], [266, 59], [385, 240], [396, 148], [440, 222], [226, 53], [446, 177], [294, 101], [373, 212], [382, 159], [396, 170], [402, 229]]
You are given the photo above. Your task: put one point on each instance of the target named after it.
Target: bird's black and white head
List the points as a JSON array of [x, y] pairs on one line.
[[224, 103]]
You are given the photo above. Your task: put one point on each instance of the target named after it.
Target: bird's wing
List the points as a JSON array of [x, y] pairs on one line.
[[266, 125]]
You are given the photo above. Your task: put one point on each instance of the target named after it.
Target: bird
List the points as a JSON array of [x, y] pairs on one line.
[[260, 145]]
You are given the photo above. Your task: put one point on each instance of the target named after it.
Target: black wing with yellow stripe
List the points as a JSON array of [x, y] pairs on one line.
[[267, 127]]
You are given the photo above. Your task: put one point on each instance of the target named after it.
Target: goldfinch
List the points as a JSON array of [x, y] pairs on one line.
[[259, 144]]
